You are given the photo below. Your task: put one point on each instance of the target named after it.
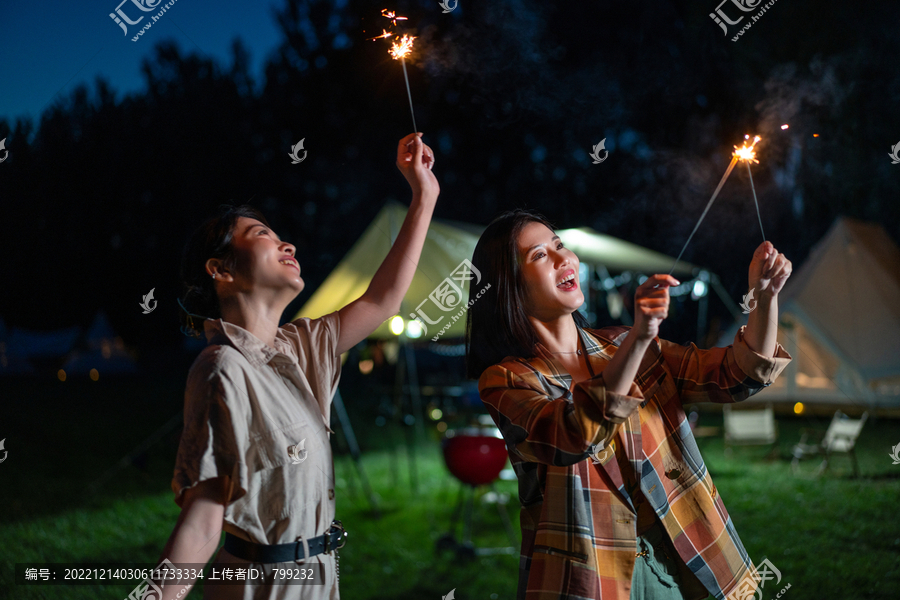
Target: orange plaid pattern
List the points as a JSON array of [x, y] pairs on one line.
[[578, 521]]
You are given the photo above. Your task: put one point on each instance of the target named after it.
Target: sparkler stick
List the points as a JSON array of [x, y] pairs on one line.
[[400, 49], [409, 95], [744, 153], [752, 187], [705, 210]]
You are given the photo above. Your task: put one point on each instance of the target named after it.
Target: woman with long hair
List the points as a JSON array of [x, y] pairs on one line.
[[616, 500], [255, 458]]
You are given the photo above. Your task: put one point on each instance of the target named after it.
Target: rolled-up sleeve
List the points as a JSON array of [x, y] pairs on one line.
[[730, 374], [556, 431], [215, 439]]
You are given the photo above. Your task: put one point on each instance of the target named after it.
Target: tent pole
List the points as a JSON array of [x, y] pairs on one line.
[[350, 436]]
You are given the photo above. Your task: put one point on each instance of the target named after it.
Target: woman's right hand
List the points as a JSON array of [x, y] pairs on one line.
[[651, 305], [415, 160]]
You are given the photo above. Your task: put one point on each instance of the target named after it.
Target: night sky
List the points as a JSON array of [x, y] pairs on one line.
[[119, 149]]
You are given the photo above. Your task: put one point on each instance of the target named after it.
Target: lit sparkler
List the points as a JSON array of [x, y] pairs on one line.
[[400, 49], [745, 153]]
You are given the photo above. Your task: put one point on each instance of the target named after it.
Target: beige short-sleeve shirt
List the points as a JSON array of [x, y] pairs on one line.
[[246, 403]]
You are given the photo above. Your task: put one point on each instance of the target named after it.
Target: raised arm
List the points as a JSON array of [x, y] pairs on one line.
[[382, 298], [542, 426], [768, 273]]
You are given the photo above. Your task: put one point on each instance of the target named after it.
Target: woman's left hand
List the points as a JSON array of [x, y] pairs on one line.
[[768, 270]]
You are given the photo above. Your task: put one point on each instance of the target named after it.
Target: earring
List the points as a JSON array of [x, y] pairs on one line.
[[213, 275]]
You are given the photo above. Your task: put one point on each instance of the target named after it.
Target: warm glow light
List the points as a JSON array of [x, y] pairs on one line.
[[436, 414], [815, 135], [397, 325], [784, 126], [365, 366], [95, 375], [442, 427], [746, 152], [402, 48], [61, 375], [798, 408]]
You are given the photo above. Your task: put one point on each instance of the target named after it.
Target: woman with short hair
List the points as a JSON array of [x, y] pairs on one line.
[[255, 458]]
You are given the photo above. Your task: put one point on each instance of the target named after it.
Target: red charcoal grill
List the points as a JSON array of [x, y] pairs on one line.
[[475, 456]]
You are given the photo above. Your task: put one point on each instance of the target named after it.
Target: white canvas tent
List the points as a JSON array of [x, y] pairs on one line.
[[839, 318], [446, 246]]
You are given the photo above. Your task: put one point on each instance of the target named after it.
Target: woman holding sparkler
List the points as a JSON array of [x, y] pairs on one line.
[[255, 458], [616, 500]]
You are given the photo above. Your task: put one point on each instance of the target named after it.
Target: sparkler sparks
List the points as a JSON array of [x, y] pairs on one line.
[[384, 34], [746, 152], [389, 14], [402, 48]]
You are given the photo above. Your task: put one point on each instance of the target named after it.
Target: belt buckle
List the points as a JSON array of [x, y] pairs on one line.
[[340, 526]]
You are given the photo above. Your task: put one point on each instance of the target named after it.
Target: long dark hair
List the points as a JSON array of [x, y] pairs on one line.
[[213, 239], [497, 325]]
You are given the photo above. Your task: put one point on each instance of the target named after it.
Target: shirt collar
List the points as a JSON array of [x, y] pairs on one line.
[[256, 351]]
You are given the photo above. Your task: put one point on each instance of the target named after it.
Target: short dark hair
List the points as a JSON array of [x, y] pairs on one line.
[[213, 239], [497, 325]]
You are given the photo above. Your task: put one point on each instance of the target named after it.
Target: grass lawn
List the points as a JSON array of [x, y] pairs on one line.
[[834, 537]]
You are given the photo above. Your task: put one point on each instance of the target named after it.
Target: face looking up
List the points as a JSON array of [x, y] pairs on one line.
[[550, 273], [263, 261]]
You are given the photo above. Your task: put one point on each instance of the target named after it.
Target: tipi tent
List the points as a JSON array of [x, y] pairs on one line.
[[442, 268], [839, 318]]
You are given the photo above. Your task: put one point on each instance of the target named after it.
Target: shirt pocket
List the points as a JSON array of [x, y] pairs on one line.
[[280, 470], [289, 445]]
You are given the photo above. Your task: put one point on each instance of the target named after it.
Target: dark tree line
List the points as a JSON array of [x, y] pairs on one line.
[[99, 195]]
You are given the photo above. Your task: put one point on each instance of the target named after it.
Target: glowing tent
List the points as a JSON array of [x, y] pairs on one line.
[[447, 245], [839, 318]]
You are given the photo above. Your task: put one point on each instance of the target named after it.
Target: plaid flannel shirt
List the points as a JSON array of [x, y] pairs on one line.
[[578, 522]]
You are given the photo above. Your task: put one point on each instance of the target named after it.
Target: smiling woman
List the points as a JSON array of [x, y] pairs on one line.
[[616, 500], [260, 394]]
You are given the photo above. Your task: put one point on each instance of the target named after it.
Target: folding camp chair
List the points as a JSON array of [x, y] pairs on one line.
[[750, 427], [841, 437]]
